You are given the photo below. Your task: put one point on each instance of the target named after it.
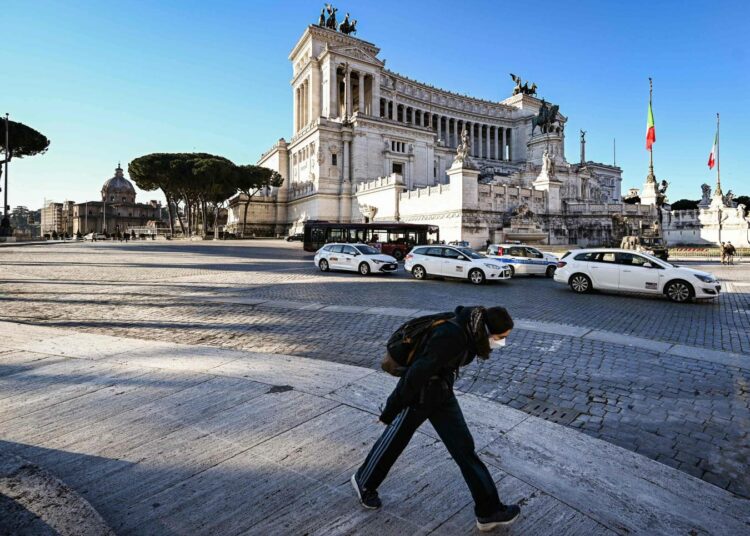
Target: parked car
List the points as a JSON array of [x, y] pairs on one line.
[[95, 236], [452, 261], [355, 257], [296, 237], [629, 271], [524, 259]]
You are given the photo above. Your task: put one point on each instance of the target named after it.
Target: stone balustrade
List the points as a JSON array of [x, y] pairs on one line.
[[426, 191]]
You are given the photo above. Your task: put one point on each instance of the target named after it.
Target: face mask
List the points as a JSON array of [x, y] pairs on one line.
[[496, 344]]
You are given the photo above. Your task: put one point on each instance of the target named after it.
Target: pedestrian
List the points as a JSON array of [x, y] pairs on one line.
[[730, 251], [723, 253], [425, 392]]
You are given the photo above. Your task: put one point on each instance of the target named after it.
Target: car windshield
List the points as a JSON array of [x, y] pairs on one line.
[[469, 253], [367, 250]]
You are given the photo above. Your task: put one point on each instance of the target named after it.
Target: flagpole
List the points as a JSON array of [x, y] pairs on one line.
[[718, 176], [718, 160], [650, 107]]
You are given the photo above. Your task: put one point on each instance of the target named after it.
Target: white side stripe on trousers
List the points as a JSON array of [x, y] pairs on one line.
[[387, 439]]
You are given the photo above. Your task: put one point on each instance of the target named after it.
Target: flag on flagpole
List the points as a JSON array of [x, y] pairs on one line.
[[650, 128], [712, 156]]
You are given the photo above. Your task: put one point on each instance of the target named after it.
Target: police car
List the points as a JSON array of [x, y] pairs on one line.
[[354, 257], [524, 259]]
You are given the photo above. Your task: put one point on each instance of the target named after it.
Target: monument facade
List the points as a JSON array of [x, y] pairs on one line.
[[365, 137]]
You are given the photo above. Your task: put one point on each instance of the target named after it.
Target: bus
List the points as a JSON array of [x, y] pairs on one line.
[[394, 239]]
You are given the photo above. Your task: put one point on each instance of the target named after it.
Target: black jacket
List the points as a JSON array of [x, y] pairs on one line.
[[448, 347]]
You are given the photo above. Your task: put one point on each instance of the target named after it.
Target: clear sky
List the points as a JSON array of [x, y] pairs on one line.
[[109, 81]]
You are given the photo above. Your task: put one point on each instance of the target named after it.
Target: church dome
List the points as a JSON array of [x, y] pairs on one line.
[[118, 188]]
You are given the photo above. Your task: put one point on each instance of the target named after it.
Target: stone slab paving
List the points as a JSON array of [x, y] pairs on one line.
[[670, 382], [206, 449]]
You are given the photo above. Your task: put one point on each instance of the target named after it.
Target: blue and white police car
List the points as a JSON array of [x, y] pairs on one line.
[[524, 259]]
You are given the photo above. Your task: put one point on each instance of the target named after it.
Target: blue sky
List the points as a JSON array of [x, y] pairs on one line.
[[109, 81]]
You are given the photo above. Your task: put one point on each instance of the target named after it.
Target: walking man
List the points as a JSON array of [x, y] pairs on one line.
[[723, 252], [730, 251], [425, 391]]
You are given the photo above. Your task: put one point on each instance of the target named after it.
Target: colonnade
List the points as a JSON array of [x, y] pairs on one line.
[[486, 141]]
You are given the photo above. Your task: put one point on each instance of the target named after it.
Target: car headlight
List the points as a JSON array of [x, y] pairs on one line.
[[493, 266], [706, 278], [377, 261]]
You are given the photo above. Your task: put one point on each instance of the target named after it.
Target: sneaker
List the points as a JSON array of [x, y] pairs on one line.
[[367, 498], [505, 516]]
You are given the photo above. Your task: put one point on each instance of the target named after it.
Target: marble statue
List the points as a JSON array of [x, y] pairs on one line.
[[706, 189], [463, 150]]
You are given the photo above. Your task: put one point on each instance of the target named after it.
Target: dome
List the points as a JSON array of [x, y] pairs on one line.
[[118, 188]]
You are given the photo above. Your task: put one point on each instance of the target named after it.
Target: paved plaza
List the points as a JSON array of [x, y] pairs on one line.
[[669, 382]]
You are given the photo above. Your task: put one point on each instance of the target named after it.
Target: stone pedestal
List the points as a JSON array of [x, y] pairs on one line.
[[649, 193], [465, 179], [538, 143], [552, 186]]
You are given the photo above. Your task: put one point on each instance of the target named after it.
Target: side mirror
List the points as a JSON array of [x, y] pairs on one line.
[[648, 265]]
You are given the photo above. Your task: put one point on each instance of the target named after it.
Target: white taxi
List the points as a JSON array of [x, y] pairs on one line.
[[524, 259], [627, 271], [453, 261], [354, 257]]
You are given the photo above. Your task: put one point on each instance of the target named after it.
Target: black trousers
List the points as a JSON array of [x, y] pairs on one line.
[[448, 421]]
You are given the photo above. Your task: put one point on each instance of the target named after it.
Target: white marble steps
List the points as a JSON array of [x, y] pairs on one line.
[[175, 439]]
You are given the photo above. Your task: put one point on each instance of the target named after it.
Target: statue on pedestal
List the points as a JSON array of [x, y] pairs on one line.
[[463, 151], [583, 146], [706, 200], [545, 119], [548, 164]]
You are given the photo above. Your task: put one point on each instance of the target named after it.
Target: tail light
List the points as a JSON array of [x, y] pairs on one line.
[[409, 256], [561, 264]]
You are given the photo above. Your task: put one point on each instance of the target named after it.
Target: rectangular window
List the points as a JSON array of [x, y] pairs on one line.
[[333, 159]]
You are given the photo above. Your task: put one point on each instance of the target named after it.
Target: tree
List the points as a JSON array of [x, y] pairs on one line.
[[214, 179], [742, 200], [251, 180], [685, 204], [632, 200], [183, 178], [22, 141]]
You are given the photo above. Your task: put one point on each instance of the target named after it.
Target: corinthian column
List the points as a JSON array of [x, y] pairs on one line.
[[361, 105], [348, 91]]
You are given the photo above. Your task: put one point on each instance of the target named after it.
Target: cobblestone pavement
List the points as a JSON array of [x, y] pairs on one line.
[[687, 413]]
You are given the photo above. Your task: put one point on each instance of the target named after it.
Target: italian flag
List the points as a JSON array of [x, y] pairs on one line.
[[712, 156], [650, 128]]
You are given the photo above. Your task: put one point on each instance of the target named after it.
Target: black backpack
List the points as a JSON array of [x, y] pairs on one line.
[[402, 346]]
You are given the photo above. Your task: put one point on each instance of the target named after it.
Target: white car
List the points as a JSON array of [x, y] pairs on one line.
[[524, 259], [629, 271], [452, 261], [355, 257]]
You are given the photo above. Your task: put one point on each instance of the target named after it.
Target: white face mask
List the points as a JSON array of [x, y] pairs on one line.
[[496, 344]]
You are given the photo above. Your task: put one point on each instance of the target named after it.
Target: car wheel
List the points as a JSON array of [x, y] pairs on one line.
[[364, 268], [678, 291], [419, 272], [476, 276], [512, 271], [398, 254], [580, 283], [550, 271], [323, 265]]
